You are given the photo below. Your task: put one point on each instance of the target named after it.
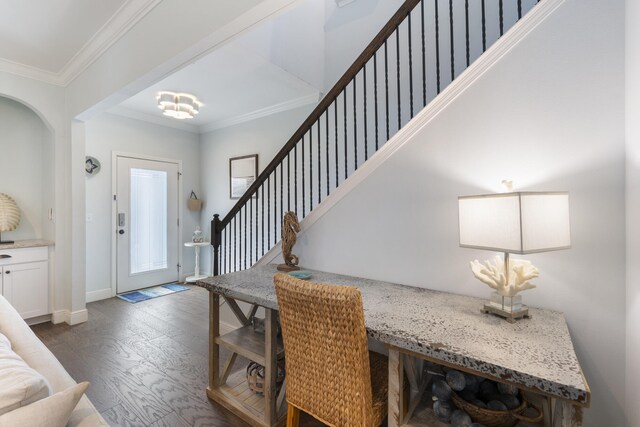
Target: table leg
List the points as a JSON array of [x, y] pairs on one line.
[[396, 385], [271, 366], [197, 272], [566, 415], [214, 332]]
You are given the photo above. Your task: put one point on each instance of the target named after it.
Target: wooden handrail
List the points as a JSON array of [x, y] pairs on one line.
[[379, 40]]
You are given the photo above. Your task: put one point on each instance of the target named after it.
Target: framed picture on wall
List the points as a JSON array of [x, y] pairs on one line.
[[243, 171]]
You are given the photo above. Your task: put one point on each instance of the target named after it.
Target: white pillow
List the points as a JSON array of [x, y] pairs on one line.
[[54, 411], [4, 342], [20, 385]]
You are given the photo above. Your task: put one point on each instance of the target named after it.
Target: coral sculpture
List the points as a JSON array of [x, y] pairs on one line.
[[493, 274]]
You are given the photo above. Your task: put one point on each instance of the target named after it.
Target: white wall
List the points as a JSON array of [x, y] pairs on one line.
[[25, 169], [106, 133], [541, 117], [46, 101], [633, 210], [294, 41]]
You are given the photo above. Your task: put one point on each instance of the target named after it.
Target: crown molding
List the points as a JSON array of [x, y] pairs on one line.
[[156, 120], [263, 112], [128, 15], [30, 72]]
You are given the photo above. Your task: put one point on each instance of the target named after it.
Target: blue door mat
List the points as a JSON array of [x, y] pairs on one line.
[[157, 291]]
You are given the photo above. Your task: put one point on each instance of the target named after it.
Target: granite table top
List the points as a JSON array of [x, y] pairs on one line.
[[536, 354]]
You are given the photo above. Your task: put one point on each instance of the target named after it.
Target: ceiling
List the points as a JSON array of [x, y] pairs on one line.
[[277, 66], [267, 70], [233, 83], [54, 41]]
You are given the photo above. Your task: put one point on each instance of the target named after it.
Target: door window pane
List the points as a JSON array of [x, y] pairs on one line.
[[148, 220]]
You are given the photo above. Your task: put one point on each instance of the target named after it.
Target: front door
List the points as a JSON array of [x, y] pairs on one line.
[[147, 224]]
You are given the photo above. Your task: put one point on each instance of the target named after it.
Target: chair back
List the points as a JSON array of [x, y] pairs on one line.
[[326, 351]]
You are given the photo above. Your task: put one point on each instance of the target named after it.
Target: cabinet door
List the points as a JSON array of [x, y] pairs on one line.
[[26, 287]]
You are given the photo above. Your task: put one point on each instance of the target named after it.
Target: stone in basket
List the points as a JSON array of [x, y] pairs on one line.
[[255, 377], [497, 418], [478, 400]]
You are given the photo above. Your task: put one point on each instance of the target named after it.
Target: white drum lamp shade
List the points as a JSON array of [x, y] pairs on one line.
[[9, 214], [518, 223]]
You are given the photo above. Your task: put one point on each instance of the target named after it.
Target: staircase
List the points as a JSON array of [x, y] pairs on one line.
[[425, 45]]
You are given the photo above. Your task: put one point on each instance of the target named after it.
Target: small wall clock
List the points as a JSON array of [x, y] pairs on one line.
[[92, 166]]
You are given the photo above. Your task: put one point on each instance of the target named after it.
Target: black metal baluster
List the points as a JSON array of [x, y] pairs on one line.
[[256, 233], [289, 181], [366, 123], [398, 76], [295, 175], [275, 207], [519, 9], [410, 66], [386, 84], [319, 167], [311, 168], [227, 267], [437, 19], [335, 127], [375, 93], [235, 240], [451, 48], [484, 27], [303, 187], [326, 132], [268, 210], [355, 127], [262, 217], [424, 57], [281, 191], [501, 17], [251, 231], [345, 132], [245, 237], [466, 19]]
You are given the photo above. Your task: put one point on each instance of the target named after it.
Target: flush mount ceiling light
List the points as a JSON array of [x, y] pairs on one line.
[[178, 105]]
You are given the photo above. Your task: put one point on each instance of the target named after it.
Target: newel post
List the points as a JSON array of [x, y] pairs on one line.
[[216, 239]]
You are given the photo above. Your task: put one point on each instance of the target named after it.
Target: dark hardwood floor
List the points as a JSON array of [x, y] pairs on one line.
[[147, 362]]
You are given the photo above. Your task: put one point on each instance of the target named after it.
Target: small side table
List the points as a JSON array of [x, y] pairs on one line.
[[196, 275]]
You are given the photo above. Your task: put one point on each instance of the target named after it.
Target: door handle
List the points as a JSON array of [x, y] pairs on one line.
[[3, 256], [7, 272], [120, 231]]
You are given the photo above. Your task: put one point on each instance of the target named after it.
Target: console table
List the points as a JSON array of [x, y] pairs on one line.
[[536, 354]]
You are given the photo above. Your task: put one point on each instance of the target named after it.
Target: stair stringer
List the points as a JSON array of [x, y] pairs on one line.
[[458, 86]]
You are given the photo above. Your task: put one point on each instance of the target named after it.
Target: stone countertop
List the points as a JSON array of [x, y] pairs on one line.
[[537, 354], [21, 244]]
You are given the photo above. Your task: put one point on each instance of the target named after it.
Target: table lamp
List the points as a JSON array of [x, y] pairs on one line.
[[512, 223], [9, 215]]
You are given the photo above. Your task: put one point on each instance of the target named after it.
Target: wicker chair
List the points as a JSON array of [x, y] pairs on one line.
[[331, 374]]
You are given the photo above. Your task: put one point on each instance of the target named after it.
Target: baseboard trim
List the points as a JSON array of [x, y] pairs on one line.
[[98, 295], [70, 317], [483, 64]]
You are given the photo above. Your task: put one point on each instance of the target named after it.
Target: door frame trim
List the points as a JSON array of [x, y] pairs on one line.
[[114, 211]]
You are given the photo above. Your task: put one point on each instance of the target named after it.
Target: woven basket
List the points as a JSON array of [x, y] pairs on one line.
[[255, 377], [491, 418]]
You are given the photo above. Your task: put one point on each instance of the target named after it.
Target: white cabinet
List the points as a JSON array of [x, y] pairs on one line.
[[24, 280]]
